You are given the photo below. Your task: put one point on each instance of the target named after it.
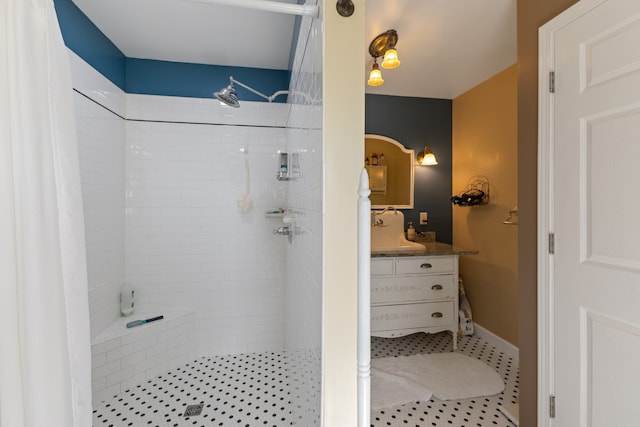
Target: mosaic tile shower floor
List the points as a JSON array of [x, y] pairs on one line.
[[251, 390]]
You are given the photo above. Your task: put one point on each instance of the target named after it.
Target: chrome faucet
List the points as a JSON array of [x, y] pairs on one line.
[[378, 222]]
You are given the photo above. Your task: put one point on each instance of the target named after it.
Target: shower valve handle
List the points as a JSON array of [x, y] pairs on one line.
[[283, 231]]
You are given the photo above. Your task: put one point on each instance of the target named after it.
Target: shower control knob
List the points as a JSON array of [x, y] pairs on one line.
[[282, 231]]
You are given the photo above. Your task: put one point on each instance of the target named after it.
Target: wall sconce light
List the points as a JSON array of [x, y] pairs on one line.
[[383, 45], [375, 76], [391, 59], [427, 158]]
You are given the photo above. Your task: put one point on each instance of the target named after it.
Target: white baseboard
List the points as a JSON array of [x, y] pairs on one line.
[[499, 343]]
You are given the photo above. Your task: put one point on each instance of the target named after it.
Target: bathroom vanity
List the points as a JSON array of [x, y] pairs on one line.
[[415, 291]]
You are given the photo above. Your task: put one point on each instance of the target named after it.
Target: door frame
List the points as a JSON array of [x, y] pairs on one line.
[[546, 64]]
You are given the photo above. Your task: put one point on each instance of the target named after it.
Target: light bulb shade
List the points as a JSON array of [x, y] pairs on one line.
[[375, 76], [390, 59], [427, 158]]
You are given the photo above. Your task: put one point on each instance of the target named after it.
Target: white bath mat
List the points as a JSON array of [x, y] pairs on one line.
[[390, 390], [450, 376]]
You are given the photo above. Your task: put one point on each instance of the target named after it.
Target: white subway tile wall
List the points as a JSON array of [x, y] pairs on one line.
[[305, 194], [211, 111], [95, 86], [188, 246], [304, 259], [123, 358], [101, 143], [178, 232]]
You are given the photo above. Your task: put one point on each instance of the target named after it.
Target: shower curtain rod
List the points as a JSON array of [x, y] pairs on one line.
[[269, 6]]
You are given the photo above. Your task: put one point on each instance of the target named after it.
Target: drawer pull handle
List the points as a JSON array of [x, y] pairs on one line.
[[436, 287], [437, 314], [426, 265]]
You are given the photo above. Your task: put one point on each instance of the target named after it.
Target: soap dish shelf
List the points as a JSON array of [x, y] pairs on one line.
[[275, 213]]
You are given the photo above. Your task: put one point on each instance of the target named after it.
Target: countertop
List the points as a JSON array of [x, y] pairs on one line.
[[433, 249]]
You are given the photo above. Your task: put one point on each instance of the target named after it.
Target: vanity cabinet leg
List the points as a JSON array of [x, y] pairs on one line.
[[454, 335]]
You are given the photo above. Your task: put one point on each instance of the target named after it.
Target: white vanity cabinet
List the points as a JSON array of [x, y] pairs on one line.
[[414, 294]]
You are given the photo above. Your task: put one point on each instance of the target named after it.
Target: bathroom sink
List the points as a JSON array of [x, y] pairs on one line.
[[387, 233], [406, 246]]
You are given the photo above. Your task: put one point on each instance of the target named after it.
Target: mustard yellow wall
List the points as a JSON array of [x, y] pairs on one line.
[[485, 138]]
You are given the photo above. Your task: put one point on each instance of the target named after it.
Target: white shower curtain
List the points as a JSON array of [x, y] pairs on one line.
[[45, 377]]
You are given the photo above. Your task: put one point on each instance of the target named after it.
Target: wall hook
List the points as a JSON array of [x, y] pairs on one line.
[[510, 220]]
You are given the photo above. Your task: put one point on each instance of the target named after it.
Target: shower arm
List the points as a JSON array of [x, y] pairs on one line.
[[269, 6], [268, 98]]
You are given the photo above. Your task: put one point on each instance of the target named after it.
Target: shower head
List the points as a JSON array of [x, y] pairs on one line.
[[228, 96]]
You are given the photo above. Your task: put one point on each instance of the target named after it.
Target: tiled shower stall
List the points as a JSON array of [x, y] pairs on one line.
[[162, 178]]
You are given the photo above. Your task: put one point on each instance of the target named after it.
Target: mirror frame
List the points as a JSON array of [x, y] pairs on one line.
[[411, 165]]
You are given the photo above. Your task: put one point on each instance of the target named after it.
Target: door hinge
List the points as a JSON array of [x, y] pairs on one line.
[[552, 406], [552, 243], [552, 81]]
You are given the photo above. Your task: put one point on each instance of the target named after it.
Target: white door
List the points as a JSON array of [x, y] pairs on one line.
[[593, 200]]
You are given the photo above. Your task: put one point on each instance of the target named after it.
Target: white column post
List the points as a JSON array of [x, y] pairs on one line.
[[364, 300]]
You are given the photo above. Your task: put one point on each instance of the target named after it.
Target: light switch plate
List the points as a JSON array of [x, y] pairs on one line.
[[423, 218]]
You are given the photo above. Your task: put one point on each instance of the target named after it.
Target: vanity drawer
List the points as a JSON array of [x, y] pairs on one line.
[[407, 316], [412, 288], [424, 265], [382, 267]]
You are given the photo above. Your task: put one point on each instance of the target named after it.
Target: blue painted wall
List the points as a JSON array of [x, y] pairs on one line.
[[89, 43], [416, 122], [151, 77]]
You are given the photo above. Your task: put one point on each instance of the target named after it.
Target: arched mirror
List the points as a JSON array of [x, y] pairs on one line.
[[390, 172]]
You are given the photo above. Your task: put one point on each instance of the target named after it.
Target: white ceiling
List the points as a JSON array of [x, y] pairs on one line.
[[188, 31], [446, 46]]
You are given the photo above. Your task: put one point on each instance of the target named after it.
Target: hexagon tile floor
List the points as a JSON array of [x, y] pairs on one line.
[[479, 412], [252, 390]]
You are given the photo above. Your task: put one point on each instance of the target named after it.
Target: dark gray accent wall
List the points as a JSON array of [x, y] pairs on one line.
[[416, 122]]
